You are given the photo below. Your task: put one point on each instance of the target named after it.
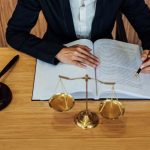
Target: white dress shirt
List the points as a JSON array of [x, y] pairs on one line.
[[83, 12]]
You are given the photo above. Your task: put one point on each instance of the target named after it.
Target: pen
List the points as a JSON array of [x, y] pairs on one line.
[[9, 65], [139, 70]]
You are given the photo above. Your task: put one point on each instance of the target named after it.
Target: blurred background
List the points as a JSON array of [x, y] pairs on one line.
[[8, 6]]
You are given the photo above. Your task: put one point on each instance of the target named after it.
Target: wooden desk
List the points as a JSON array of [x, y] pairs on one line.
[[27, 125]]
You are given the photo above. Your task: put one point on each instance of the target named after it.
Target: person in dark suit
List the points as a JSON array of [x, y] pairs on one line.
[[69, 20]]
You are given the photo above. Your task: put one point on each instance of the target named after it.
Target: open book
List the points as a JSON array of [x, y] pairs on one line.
[[119, 63]]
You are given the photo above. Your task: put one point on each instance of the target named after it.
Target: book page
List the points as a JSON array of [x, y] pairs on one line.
[[47, 76], [119, 63]]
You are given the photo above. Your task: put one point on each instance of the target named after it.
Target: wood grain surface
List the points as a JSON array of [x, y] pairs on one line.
[[28, 125], [8, 6]]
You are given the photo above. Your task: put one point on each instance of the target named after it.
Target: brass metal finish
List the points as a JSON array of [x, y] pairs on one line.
[[111, 109], [61, 102], [86, 120]]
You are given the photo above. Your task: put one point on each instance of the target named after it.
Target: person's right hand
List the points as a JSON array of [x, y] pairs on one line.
[[78, 55]]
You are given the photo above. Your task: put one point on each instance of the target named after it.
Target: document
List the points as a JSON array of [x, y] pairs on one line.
[[119, 62]]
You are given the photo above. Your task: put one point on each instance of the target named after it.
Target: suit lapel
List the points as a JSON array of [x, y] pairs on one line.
[[68, 19], [98, 13], [98, 8]]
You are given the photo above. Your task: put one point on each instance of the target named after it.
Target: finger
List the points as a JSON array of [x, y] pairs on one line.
[[88, 54], [145, 64], [86, 58], [85, 47], [74, 46], [146, 70], [144, 55], [79, 64], [86, 62], [82, 46]]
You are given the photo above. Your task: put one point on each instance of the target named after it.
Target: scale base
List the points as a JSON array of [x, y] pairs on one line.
[[86, 120]]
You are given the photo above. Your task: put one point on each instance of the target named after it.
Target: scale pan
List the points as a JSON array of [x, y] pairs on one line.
[[111, 109], [61, 102]]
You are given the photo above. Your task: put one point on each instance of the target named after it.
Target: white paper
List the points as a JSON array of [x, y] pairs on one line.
[[119, 62], [47, 77]]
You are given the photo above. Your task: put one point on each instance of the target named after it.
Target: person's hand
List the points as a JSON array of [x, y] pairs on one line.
[[78, 55], [145, 57]]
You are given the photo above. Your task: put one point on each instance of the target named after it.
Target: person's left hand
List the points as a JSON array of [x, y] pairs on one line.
[[145, 57]]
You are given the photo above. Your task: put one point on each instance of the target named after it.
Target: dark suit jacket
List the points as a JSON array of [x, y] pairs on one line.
[[60, 28]]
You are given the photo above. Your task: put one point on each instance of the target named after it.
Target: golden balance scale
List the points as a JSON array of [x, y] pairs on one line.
[[110, 108]]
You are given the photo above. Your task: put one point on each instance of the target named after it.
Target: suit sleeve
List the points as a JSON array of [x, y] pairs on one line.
[[138, 14], [18, 33]]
